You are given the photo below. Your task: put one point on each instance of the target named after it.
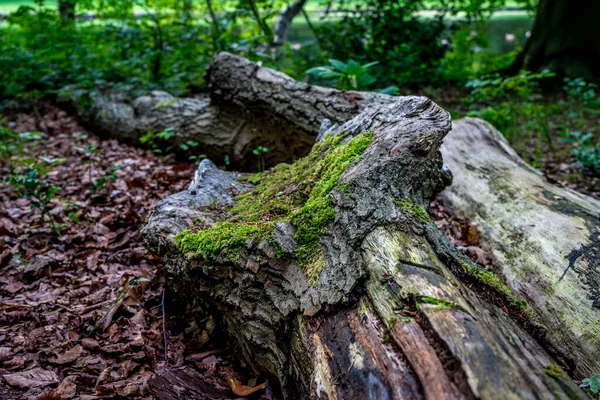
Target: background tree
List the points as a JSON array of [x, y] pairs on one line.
[[564, 39]]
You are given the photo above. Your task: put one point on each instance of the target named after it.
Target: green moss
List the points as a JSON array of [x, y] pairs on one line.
[[297, 193], [222, 238], [417, 211], [391, 321], [555, 371], [492, 280], [439, 303]]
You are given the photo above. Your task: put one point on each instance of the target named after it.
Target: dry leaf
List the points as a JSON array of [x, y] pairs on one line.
[[70, 356], [241, 390], [36, 377], [68, 387]]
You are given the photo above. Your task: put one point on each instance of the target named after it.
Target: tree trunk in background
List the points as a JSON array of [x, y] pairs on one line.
[[66, 9], [284, 22], [389, 317], [564, 39]]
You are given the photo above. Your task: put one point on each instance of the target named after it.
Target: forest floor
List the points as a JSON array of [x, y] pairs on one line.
[[81, 303]]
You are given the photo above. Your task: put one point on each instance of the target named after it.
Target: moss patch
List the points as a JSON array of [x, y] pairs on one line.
[[439, 303], [297, 193], [417, 211], [492, 280], [555, 371]]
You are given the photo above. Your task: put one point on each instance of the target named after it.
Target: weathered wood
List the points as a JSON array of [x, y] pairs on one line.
[[545, 238], [388, 316]]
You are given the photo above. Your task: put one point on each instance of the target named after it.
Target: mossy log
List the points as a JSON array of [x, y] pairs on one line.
[[338, 285], [545, 238]]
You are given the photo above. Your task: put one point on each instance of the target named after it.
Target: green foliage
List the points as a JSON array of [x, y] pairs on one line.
[[579, 89], [496, 87], [260, 152], [467, 58], [586, 152], [101, 183], [126, 53], [512, 104], [297, 193], [350, 75], [592, 385], [11, 143], [30, 183], [407, 46]]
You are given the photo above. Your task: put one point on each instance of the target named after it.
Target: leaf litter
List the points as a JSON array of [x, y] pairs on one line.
[[80, 302]]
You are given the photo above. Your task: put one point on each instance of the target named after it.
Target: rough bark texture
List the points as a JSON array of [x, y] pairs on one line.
[[561, 39], [545, 238], [388, 317], [248, 106]]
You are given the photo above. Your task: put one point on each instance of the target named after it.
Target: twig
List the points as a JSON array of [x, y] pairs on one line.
[[163, 326]]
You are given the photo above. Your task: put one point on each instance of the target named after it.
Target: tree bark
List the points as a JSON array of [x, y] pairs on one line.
[[284, 20], [562, 39], [389, 316], [545, 238]]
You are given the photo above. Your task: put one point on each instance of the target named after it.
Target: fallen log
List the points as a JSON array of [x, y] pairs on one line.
[[545, 238], [249, 106], [329, 277]]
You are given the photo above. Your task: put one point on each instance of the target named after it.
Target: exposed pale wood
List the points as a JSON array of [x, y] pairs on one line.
[[545, 239]]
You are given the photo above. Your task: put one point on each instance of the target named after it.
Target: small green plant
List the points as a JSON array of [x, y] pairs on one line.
[[30, 184], [592, 386], [260, 152], [351, 75], [110, 177], [11, 143], [88, 152], [496, 86], [586, 152], [579, 89], [157, 141]]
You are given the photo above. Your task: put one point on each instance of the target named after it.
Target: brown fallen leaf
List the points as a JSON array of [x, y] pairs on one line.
[[242, 390], [70, 356], [5, 353], [36, 377], [68, 387]]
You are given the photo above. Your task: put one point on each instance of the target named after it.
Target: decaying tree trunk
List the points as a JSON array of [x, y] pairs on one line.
[[545, 238], [248, 106], [389, 316], [296, 334]]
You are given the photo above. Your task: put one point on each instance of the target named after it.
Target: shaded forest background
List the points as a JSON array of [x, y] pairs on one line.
[[472, 57]]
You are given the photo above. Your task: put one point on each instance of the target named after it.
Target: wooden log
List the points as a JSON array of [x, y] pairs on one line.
[[249, 106], [375, 308], [545, 239]]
